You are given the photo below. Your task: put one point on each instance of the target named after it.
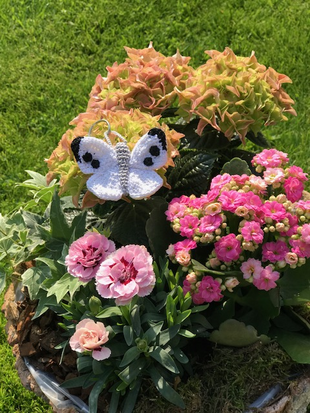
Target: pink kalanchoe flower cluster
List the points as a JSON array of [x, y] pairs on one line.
[[86, 254], [125, 273], [271, 225]]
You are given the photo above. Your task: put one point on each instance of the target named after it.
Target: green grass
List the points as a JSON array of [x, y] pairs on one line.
[[51, 53]]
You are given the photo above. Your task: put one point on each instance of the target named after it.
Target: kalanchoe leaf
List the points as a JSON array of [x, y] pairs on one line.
[[295, 285], [236, 334], [191, 174], [295, 344], [236, 167]]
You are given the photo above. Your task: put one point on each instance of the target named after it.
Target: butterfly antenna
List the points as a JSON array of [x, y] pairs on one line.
[[106, 133]]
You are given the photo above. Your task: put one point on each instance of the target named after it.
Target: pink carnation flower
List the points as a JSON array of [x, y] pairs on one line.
[[274, 251], [125, 273], [251, 231], [209, 289], [86, 254], [90, 336], [266, 279], [228, 248], [293, 188], [251, 268]]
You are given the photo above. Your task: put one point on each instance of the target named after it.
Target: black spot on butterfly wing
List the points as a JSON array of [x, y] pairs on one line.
[[148, 161], [160, 135], [75, 146], [154, 150], [95, 163], [87, 157]]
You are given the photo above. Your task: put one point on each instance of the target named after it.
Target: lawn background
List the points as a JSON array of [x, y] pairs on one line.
[[52, 51]]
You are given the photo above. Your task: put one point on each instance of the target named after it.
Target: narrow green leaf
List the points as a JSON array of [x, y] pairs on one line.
[[153, 332], [129, 356], [131, 398], [132, 371], [76, 382], [186, 333], [109, 312], [135, 318], [128, 335], [161, 355], [180, 355], [84, 364], [183, 316], [113, 407], [166, 335], [165, 389]]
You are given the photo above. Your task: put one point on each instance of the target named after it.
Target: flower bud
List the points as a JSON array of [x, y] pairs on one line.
[[94, 305]]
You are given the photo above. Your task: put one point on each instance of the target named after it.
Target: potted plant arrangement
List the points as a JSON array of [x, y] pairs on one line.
[[162, 230]]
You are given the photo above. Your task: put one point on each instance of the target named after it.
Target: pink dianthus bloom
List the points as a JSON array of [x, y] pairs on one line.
[[251, 268], [210, 289], [86, 254], [297, 172], [90, 336], [266, 279], [293, 189], [270, 158], [274, 210], [274, 251], [228, 248], [188, 225], [210, 223], [251, 231], [125, 273]]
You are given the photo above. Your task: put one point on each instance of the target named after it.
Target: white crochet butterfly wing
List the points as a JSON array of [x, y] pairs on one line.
[[149, 154], [112, 175], [96, 157]]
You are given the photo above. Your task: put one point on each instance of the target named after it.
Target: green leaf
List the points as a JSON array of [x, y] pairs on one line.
[[130, 355], [180, 356], [114, 401], [161, 355], [182, 316], [159, 231], [165, 389], [44, 303], [236, 166], [127, 222], [132, 371], [153, 332], [186, 333], [76, 382], [295, 285], [84, 363], [296, 345], [191, 174], [131, 398], [33, 278], [52, 264], [66, 284], [166, 335], [97, 389], [78, 225], [59, 225], [135, 318], [109, 312], [128, 335], [2, 281], [236, 334], [258, 139]]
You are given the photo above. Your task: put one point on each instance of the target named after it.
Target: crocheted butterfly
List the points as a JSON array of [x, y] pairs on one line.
[[116, 171]]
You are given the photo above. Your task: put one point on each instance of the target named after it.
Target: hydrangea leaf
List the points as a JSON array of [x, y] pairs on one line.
[[127, 222], [66, 284], [191, 174], [236, 334], [33, 278]]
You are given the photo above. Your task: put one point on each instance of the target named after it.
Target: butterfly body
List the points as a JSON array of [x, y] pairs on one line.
[[116, 171]]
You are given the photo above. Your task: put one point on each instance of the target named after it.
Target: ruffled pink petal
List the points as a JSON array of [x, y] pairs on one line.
[[101, 354]]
